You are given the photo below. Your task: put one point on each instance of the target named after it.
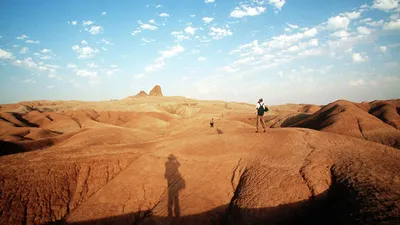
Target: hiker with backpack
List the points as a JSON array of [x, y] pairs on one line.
[[261, 108]]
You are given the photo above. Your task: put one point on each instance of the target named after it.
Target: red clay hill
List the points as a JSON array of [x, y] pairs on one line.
[[150, 160]]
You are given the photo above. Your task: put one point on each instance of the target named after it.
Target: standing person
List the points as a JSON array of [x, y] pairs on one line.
[[260, 113]]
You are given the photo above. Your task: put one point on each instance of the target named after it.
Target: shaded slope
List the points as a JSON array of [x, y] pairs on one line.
[[346, 118], [387, 112]]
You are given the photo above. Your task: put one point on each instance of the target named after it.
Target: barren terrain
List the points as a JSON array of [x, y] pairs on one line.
[[150, 159]]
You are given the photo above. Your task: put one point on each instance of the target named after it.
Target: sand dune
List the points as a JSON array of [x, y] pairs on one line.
[[347, 118], [155, 160]]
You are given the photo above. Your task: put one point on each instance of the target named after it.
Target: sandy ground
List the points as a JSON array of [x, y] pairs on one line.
[[156, 160]]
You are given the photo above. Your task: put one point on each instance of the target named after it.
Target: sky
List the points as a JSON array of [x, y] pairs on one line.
[[285, 51]]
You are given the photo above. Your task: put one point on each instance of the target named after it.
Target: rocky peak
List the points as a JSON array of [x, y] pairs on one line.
[[156, 91]]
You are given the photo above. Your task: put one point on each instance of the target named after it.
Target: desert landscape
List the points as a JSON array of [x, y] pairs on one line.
[[154, 159]]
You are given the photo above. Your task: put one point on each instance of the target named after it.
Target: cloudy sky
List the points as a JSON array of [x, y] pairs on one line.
[[286, 51]]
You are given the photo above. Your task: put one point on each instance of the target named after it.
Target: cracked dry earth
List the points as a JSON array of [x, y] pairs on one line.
[[155, 160]]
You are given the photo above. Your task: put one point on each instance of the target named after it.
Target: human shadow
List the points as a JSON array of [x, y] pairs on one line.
[[176, 183]]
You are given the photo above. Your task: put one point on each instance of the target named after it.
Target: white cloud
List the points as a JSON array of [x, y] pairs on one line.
[[164, 15], [104, 41], [103, 13], [243, 61], [158, 6], [152, 21], [179, 35], [32, 42], [311, 33], [245, 10], [175, 50], [364, 30], [22, 37], [392, 25], [365, 6], [313, 42], [219, 33], [160, 62], [365, 20], [91, 65], [208, 1], [303, 46], [87, 23], [278, 4], [192, 15], [111, 72], [27, 62], [85, 73], [85, 52], [376, 23], [338, 22], [84, 42], [135, 32], [228, 69], [341, 34], [24, 50], [30, 80], [147, 40], [190, 30], [385, 5], [74, 22], [353, 15], [287, 29], [45, 57], [359, 58], [207, 19], [44, 51], [71, 66], [5, 55], [293, 26], [395, 16], [383, 48], [148, 27], [95, 30], [30, 64], [201, 59]]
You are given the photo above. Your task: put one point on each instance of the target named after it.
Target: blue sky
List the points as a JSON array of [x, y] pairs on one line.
[[292, 51]]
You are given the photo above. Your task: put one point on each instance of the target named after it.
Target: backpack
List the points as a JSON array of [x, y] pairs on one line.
[[261, 109]]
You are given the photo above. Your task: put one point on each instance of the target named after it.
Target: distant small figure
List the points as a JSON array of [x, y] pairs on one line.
[[212, 122], [260, 113]]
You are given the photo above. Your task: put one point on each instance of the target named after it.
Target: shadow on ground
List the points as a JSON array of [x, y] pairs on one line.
[[338, 205], [8, 148]]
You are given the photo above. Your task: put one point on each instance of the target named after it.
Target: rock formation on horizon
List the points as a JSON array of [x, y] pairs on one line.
[[142, 94], [156, 91]]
